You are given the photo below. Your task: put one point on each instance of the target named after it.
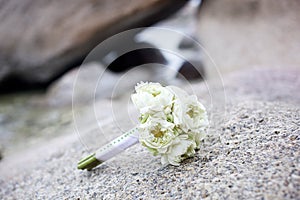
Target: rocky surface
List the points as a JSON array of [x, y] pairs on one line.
[[251, 152], [42, 40]]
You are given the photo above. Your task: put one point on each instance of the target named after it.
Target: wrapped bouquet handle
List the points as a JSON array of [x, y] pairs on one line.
[[109, 150], [172, 126]]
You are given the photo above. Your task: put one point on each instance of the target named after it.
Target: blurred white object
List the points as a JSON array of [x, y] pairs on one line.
[[185, 23]]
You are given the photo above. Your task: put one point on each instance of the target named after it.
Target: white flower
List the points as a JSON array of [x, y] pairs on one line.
[[151, 98], [182, 147], [172, 122], [157, 135], [189, 114]]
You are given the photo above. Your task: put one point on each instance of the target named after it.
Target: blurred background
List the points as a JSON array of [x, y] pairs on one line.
[[43, 44]]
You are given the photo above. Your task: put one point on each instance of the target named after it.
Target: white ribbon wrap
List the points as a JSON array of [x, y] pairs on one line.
[[117, 145]]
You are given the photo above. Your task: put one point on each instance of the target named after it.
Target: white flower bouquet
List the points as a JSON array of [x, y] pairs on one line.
[[172, 125]]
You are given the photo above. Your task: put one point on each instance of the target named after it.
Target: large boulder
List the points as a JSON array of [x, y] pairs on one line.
[[41, 40]]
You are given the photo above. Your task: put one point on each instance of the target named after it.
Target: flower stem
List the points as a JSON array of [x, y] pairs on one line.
[[88, 162]]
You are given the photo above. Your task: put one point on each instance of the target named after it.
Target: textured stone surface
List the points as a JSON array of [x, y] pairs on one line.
[[41, 40], [265, 84], [252, 153]]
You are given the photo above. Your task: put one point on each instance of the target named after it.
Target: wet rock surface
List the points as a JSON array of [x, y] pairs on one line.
[[24, 121], [251, 152]]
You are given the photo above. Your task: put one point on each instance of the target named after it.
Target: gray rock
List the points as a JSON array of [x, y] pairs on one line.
[[42, 40], [1, 154], [252, 153]]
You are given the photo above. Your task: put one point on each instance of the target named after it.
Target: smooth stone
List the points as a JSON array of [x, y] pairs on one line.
[[41, 41]]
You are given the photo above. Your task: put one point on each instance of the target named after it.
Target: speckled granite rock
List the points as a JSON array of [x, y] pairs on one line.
[[252, 153]]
